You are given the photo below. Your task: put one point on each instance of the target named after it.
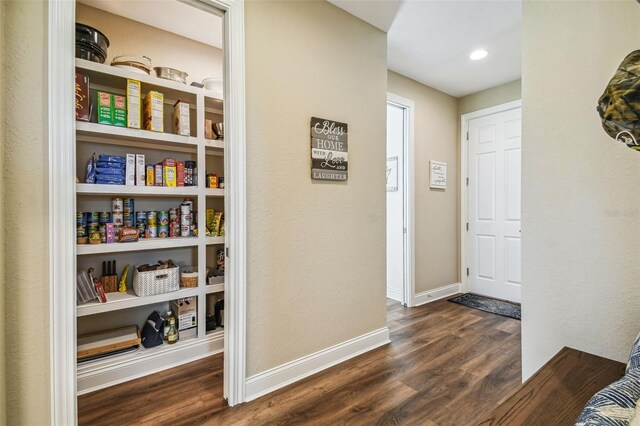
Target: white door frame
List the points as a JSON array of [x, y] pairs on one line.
[[464, 189], [62, 205], [409, 242]]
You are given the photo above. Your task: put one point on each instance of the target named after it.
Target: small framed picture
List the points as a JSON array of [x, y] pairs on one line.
[[438, 174], [392, 174]]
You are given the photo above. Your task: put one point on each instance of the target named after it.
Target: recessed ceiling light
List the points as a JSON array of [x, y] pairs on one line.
[[478, 54]]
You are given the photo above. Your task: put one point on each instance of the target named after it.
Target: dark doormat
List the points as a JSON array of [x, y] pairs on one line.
[[499, 307]]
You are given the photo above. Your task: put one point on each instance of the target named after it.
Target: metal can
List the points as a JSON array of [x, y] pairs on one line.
[[117, 205], [173, 215], [142, 231], [93, 217], [128, 219], [221, 182], [103, 233], [163, 231], [152, 218], [117, 218], [188, 201], [81, 224], [128, 205], [153, 231], [185, 230], [104, 218], [163, 218], [141, 218]]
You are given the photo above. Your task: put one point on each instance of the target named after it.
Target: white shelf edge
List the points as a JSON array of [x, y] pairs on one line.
[[159, 191], [118, 301], [87, 128], [214, 240], [145, 78], [141, 245], [214, 192], [214, 288], [213, 143]]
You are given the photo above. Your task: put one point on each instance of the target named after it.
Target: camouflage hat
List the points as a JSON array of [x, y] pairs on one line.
[[619, 105]]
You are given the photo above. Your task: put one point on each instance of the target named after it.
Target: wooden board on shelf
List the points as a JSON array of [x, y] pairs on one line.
[[108, 341]]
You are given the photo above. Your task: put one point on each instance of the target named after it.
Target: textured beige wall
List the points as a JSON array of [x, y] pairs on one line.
[[25, 260], [580, 199], [316, 251], [436, 211], [491, 97], [129, 37]]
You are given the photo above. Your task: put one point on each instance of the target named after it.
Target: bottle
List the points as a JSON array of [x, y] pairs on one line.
[[172, 334], [166, 325]]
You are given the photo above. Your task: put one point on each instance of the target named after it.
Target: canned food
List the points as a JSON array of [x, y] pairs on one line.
[[153, 231], [173, 215], [152, 218], [104, 218], [141, 218], [163, 218], [93, 217], [141, 231], [128, 219], [185, 230], [117, 218], [102, 229], [81, 224], [128, 205], [117, 205], [163, 231]]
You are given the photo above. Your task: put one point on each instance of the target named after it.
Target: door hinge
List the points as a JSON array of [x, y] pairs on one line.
[[467, 271], [467, 226], [226, 251], [467, 181], [467, 135]]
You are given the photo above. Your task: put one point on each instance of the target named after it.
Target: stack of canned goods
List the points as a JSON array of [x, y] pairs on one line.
[[190, 173]]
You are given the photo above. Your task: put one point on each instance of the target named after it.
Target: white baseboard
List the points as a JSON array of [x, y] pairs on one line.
[[285, 374], [394, 294], [112, 371], [436, 294]]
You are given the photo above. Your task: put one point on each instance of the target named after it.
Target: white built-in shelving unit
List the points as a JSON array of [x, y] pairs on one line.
[[93, 375]]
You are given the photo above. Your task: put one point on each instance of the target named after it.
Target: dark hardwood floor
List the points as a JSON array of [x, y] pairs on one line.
[[446, 365]]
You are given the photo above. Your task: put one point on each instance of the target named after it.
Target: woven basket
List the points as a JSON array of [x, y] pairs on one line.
[[188, 277], [156, 282]]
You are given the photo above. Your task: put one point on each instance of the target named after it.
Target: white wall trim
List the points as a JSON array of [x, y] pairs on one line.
[[437, 294], [464, 174], [409, 202], [285, 374], [62, 207]]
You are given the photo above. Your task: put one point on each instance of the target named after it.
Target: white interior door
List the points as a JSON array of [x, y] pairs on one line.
[[395, 201], [494, 205]]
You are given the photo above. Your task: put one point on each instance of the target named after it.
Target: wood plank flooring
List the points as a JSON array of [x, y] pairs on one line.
[[446, 365]]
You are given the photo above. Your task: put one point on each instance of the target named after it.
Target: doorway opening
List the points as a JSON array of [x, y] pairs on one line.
[[399, 174], [490, 202]]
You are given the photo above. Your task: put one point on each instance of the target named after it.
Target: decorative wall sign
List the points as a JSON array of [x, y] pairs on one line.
[[392, 174], [438, 173], [329, 158]]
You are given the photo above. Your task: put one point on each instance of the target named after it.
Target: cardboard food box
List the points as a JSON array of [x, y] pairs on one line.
[[130, 170], [159, 175], [170, 172], [83, 106], [151, 175], [133, 104], [141, 170], [208, 129], [186, 312], [181, 119], [104, 102], [154, 111], [180, 173], [119, 111]]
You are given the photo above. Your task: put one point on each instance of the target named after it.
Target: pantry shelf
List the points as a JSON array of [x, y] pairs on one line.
[[214, 144], [104, 133], [215, 288], [215, 192], [120, 190], [148, 244], [117, 301], [110, 76], [214, 240]]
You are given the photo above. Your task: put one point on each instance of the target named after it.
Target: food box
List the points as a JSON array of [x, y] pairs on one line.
[[130, 170], [151, 175], [141, 170], [104, 103], [170, 172], [154, 111], [180, 173], [159, 175], [208, 129], [186, 312], [133, 104], [119, 111], [83, 106], [181, 120]]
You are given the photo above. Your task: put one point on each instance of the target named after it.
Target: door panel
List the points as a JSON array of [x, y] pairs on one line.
[[494, 205], [395, 205]]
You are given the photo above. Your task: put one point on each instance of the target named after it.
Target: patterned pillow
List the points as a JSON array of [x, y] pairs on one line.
[[634, 358], [614, 405]]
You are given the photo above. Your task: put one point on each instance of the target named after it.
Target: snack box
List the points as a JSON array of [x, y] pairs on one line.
[[119, 110], [83, 106], [151, 175], [141, 170], [159, 175], [130, 170], [133, 103], [170, 172], [181, 119], [154, 111], [104, 102], [208, 129], [180, 173]]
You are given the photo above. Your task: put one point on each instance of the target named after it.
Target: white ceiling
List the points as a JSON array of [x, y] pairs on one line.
[[430, 41], [172, 16]]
